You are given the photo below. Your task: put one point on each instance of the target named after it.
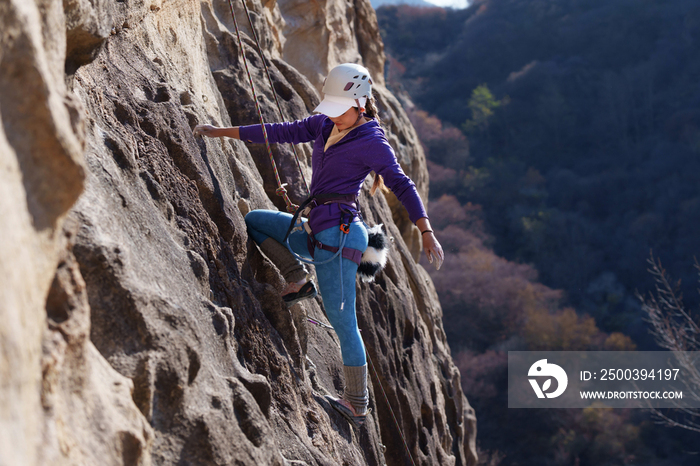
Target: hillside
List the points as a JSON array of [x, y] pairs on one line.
[[562, 146], [583, 135]]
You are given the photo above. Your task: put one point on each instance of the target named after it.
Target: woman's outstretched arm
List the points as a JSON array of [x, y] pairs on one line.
[[294, 132]]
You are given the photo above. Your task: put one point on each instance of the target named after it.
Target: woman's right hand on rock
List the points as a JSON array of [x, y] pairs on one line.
[[205, 130]]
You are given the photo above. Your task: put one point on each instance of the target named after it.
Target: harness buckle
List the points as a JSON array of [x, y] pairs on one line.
[[345, 228]]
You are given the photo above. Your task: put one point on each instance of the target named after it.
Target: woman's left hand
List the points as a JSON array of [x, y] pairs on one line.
[[205, 130], [433, 250]]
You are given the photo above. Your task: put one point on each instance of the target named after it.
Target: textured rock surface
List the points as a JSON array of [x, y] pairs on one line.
[[142, 326], [40, 177]]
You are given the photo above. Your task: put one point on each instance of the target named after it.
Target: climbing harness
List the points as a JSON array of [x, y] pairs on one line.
[[348, 204], [281, 190], [369, 262], [352, 254]]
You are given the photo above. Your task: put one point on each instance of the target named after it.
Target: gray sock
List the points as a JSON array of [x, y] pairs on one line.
[[356, 388], [291, 269]]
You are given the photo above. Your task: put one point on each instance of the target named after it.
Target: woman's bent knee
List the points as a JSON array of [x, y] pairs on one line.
[[252, 217], [263, 224], [254, 223]]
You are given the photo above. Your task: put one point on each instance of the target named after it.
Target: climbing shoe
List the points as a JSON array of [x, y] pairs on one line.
[[347, 411], [306, 291]]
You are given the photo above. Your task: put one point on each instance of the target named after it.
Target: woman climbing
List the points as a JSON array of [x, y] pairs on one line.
[[348, 145]]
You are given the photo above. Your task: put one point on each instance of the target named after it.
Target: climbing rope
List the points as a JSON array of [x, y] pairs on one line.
[[381, 387], [274, 93], [386, 399], [281, 190]]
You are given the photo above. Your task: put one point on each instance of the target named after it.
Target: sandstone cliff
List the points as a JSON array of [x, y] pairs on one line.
[[138, 323]]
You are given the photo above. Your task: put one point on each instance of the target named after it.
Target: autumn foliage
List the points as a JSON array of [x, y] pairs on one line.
[[494, 305], [564, 136], [491, 302]]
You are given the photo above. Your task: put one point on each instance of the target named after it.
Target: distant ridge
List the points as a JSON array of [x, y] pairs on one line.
[[377, 3]]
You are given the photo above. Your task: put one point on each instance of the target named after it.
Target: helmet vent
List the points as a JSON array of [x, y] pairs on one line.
[[364, 77], [348, 86], [355, 77]]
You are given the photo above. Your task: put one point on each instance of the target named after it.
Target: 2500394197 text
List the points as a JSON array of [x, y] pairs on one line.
[[631, 374]]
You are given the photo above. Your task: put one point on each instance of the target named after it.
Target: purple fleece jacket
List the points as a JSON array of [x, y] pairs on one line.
[[344, 166]]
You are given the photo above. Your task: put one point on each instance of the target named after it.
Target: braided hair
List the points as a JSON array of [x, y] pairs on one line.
[[371, 111]]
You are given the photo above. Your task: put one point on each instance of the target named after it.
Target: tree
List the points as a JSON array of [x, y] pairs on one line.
[[675, 329], [482, 105]]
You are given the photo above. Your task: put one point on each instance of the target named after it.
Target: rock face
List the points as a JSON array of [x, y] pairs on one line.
[[138, 323]]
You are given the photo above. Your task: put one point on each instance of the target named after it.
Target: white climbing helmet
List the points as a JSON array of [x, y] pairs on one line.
[[347, 85]]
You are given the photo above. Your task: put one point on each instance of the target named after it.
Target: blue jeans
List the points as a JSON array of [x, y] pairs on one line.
[[263, 224]]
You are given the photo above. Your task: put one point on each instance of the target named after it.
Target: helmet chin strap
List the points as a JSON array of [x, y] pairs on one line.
[[359, 113], [359, 117]]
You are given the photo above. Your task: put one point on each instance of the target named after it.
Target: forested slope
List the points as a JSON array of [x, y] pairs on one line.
[[583, 127], [562, 141]]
